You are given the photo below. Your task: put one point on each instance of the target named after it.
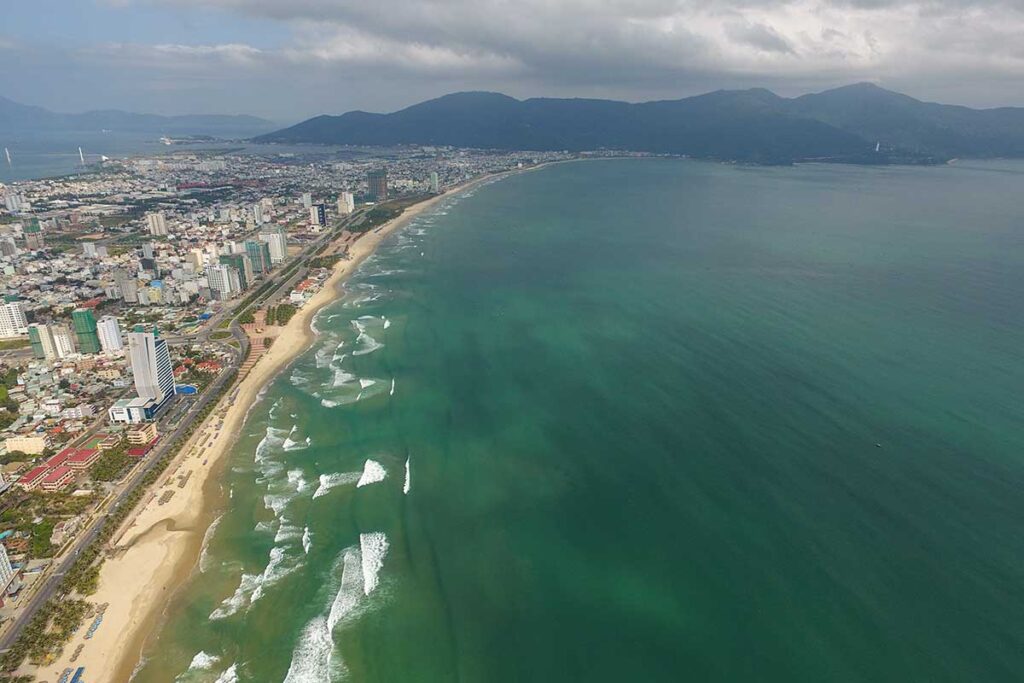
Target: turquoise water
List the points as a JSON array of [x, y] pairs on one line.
[[664, 421]]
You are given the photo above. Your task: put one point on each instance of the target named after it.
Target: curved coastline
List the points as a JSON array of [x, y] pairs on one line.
[[158, 548]]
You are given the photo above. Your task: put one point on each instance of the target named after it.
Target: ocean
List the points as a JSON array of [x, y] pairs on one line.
[[642, 420], [38, 155]]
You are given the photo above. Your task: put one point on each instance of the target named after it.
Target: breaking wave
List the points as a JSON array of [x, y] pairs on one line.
[[314, 659], [373, 472], [373, 547], [229, 676], [330, 481], [207, 537]]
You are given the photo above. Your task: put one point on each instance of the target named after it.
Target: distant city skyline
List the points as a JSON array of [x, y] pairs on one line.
[[290, 60]]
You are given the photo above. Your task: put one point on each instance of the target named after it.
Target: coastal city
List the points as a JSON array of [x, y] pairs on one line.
[[137, 295]]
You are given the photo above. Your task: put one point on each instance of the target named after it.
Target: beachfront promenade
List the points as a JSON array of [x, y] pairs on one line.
[[176, 425]]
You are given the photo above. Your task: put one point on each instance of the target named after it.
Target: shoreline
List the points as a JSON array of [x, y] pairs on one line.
[[157, 549]]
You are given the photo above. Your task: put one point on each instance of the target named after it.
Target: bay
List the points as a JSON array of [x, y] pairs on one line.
[[664, 420]]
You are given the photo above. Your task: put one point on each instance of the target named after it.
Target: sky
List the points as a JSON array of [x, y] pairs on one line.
[[288, 60]]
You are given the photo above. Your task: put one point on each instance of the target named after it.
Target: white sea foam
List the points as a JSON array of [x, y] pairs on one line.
[[373, 547], [330, 481], [290, 445], [348, 594], [307, 540], [314, 659], [327, 403], [207, 537], [296, 479], [229, 676], [408, 478], [276, 503], [239, 599], [337, 357], [341, 377], [203, 662], [387, 323], [274, 438], [373, 472], [311, 656], [367, 344], [392, 392], [287, 532], [264, 527], [279, 566], [323, 356], [365, 383]]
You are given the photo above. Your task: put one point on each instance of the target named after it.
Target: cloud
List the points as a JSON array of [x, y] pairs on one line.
[[759, 36], [338, 54], [571, 40]]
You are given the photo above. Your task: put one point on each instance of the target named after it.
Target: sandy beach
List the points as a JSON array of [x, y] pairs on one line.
[[158, 547]]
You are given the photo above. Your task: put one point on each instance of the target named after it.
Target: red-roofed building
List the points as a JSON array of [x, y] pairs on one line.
[[209, 366], [30, 480], [83, 458], [180, 371], [140, 451], [60, 458], [57, 479]]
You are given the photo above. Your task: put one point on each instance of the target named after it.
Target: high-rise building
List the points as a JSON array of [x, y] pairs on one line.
[[241, 262], [346, 203], [12, 320], [257, 214], [34, 235], [277, 241], [318, 214], [42, 342], [85, 330], [377, 183], [307, 200], [110, 335], [7, 572], [63, 341], [435, 183], [157, 223], [224, 280], [195, 259], [8, 247], [151, 366], [259, 255]]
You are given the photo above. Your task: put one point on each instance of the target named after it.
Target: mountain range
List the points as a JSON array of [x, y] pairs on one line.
[[859, 123], [15, 117]]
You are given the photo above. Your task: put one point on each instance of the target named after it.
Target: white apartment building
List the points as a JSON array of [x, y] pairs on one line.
[[12, 320]]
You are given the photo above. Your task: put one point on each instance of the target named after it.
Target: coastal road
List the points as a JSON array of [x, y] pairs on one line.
[[63, 564]]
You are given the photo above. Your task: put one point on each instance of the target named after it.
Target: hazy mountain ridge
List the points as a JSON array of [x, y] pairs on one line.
[[844, 124], [21, 117]]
